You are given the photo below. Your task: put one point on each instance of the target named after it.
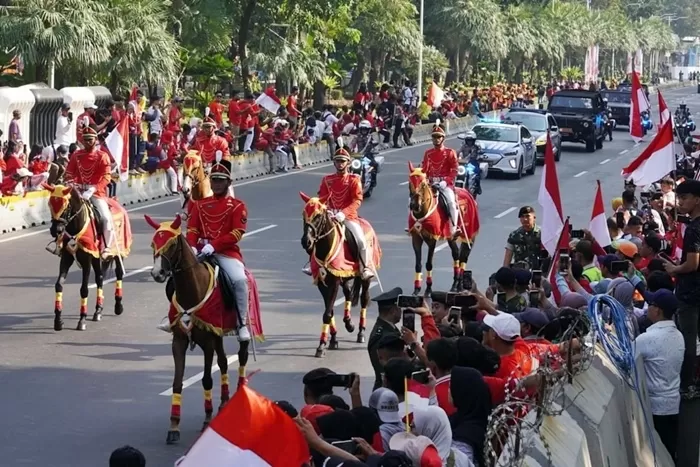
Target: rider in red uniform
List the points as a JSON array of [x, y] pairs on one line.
[[92, 169], [220, 222], [342, 193], [440, 165], [207, 142]]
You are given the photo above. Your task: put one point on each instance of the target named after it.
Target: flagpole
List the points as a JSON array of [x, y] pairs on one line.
[[556, 252]]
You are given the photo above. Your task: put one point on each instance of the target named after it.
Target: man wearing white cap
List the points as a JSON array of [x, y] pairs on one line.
[[500, 333], [386, 403]]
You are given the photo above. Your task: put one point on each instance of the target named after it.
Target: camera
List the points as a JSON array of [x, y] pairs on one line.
[[409, 320], [409, 301], [564, 261], [467, 280], [616, 267], [578, 233], [534, 298], [537, 278]]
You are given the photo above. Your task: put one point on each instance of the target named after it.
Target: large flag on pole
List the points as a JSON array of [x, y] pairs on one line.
[[269, 100], [549, 198], [435, 96], [117, 143], [664, 113], [599, 223], [640, 104], [250, 431], [655, 162]]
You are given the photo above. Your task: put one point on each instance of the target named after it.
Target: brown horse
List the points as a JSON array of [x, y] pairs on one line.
[[197, 317], [334, 264], [78, 238], [428, 222], [195, 183]]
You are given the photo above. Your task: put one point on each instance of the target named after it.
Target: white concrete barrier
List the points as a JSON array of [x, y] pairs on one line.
[[18, 213], [603, 424]]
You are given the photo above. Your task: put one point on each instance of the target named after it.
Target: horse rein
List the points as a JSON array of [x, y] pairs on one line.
[[175, 268]]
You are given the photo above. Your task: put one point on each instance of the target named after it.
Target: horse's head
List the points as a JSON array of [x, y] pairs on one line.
[[167, 248], [418, 188], [316, 220], [64, 204], [192, 172]]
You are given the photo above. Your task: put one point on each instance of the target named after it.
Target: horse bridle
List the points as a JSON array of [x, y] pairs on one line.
[[175, 268], [315, 228]]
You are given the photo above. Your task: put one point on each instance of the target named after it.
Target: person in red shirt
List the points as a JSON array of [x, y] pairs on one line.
[[363, 97], [92, 168], [208, 142], [175, 114], [502, 331], [12, 170], [292, 109], [440, 166], [234, 117], [342, 193], [216, 110], [249, 111], [219, 222], [442, 357]]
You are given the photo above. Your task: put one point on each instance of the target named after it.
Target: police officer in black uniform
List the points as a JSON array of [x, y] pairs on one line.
[[389, 316]]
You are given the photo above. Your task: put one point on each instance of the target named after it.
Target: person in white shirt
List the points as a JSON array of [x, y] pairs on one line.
[[154, 117], [669, 196], [328, 121], [64, 135], [662, 349]]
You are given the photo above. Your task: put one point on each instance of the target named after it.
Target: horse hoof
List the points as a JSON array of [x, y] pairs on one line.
[[57, 324], [82, 325], [321, 351], [333, 345], [173, 437], [97, 316], [118, 309], [349, 327], [361, 337]]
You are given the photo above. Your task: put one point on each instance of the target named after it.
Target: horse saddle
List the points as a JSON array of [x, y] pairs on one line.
[[99, 221], [226, 286], [442, 203], [352, 243]]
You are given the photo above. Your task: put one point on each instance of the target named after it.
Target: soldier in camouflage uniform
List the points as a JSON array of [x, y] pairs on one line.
[[524, 243]]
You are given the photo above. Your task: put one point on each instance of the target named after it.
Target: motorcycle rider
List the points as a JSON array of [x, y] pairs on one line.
[[519, 102], [608, 120], [364, 145], [470, 152], [440, 166]]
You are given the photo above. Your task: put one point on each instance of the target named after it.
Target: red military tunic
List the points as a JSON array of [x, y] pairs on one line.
[[208, 145], [342, 192], [222, 220], [90, 168], [441, 163]]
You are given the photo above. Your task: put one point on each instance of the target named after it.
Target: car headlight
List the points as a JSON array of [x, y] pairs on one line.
[[541, 141], [461, 170], [510, 153], [356, 164], [586, 124], [512, 163]]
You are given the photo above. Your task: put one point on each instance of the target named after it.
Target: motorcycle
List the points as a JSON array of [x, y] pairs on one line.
[[362, 166], [610, 125], [471, 171]]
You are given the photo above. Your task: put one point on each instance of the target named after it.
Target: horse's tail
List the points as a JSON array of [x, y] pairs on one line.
[[356, 290]]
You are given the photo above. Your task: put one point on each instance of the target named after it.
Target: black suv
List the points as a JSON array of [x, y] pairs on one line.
[[619, 104], [579, 114]]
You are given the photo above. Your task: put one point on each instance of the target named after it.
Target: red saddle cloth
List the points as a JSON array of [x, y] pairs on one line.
[[211, 315], [437, 222], [340, 261], [89, 239]]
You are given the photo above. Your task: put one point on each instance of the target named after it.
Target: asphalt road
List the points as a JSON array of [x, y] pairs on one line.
[[70, 398]]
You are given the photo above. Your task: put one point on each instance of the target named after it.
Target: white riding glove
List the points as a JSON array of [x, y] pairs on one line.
[[194, 250], [207, 250], [87, 194], [340, 217], [443, 184]]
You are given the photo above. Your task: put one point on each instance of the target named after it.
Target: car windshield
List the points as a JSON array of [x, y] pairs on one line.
[[492, 133], [617, 97], [572, 102], [533, 122]]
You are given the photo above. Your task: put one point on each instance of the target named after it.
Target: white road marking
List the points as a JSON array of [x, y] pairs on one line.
[[505, 213], [341, 300], [624, 152], [403, 183], [249, 182], [148, 268], [198, 377], [604, 161], [580, 174]]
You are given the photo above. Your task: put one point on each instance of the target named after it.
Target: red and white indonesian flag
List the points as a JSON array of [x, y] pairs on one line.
[[117, 143], [635, 63], [561, 245], [250, 431], [435, 95], [664, 113], [269, 100], [655, 162], [599, 223], [640, 104], [551, 216]]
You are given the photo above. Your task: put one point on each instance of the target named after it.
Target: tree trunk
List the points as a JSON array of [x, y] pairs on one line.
[[319, 95], [114, 83], [358, 73], [243, 32], [373, 71], [453, 73]]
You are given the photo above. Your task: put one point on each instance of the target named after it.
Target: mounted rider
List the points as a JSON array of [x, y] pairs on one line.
[[440, 166], [207, 142], [342, 194], [219, 222], [90, 169], [470, 150]]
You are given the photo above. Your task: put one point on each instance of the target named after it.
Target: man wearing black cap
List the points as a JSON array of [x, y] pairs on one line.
[[525, 242], [688, 281], [389, 316]]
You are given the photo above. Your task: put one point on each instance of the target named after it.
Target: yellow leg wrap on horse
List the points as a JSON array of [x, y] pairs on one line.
[[463, 266], [241, 372], [224, 379], [83, 305], [418, 276], [58, 303], [363, 318], [100, 296], [176, 399], [207, 395], [456, 263], [118, 289]]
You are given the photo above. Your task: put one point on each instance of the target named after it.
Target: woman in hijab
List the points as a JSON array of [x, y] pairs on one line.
[[470, 395], [433, 423]]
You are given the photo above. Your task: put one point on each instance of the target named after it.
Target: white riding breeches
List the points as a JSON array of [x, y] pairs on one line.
[[233, 267], [449, 195], [356, 229], [236, 272], [107, 224]]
